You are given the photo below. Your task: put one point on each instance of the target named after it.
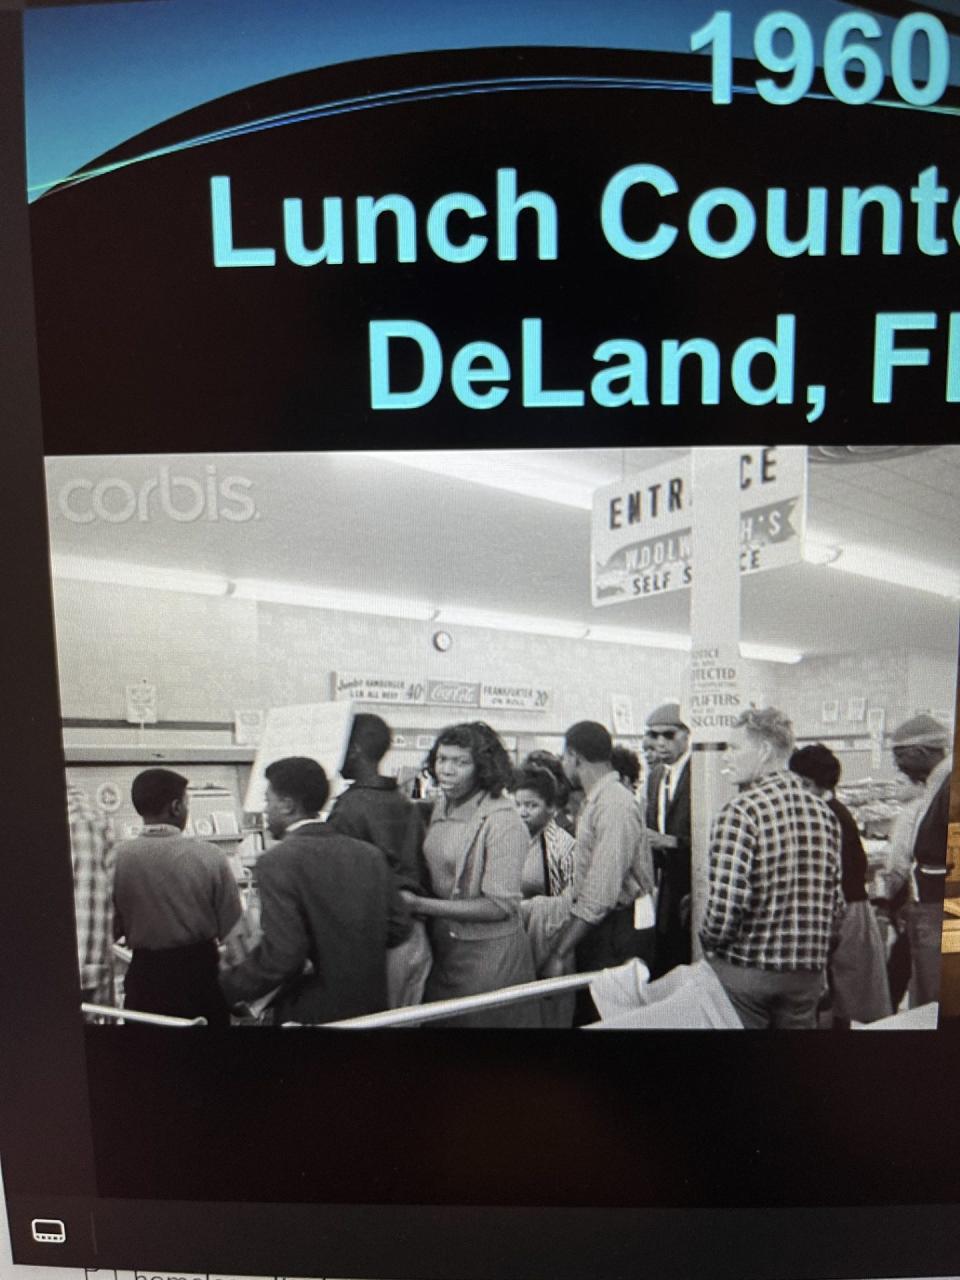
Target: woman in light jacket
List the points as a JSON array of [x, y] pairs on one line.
[[475, 850]]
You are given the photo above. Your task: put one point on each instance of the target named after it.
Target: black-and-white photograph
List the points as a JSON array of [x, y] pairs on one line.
[[600, 738]]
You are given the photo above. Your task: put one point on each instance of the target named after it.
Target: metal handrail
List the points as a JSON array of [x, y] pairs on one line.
[[413, 1015], [133, 1015], [409, 1015]]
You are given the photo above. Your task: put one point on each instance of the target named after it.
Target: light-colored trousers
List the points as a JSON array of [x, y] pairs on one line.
[[408, 967]]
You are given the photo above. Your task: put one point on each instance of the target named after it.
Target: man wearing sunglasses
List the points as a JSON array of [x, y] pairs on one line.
[[668, 831]]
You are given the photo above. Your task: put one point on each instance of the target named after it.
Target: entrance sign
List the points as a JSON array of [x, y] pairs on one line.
[[642, 528]]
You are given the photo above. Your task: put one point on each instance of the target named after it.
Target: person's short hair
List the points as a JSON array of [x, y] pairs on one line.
[[539, 781], [300, 779], [818, 763], [493, 766], [554, 765], [591, 740], [155, 789], [370, 736], [626, 763], [771, 725]]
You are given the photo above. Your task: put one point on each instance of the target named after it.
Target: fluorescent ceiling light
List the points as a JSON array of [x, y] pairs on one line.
[[643, 639], [562, 627], [769, 653], [120, 573], [149, 577], [900, 571], [677, 640], [329, 598], [466, 617], [817, 552], [554, 475], [881, 565]]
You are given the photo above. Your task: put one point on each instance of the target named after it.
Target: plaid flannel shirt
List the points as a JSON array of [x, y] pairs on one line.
[[775, 899], [91, 845]]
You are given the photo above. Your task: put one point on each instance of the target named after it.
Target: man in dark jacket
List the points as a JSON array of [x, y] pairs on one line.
[[327, 900], [668, 830], [375, 810]]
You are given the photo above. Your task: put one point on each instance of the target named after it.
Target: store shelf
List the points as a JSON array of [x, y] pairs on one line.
[[141, 754]]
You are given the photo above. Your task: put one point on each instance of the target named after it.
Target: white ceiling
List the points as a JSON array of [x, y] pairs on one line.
[[370, 524]]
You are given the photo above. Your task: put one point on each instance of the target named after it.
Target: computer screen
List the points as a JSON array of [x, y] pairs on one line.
[[482, 636]]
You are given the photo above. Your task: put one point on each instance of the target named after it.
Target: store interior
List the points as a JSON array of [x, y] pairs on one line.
[[224, 586]]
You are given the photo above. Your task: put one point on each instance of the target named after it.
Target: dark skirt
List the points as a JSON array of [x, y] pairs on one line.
[[178, 981], [469, 966], [857, 972]]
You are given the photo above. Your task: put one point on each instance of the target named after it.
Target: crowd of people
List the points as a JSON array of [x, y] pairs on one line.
[[499, 875]]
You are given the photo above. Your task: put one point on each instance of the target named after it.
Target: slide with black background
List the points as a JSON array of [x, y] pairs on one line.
[[283, 228]]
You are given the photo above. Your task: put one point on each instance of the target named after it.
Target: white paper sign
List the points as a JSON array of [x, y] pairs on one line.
[[141, 703], [644, 914], [248, 726], [319, 730], [621, 708]]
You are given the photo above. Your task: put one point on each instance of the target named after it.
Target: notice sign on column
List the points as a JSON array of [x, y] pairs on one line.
[[641, 530], [715, 699]]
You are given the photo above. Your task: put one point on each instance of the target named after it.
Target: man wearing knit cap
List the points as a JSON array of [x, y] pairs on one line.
[[668, 830], [921, 750]]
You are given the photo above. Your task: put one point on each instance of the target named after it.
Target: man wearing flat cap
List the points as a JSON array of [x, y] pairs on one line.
[[668, 830], [921, 750]]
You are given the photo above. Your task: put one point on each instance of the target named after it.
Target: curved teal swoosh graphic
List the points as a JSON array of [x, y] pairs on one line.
[[422, 93], [97, 75]]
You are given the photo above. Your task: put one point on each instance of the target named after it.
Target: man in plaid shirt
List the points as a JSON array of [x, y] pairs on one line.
[[91, 846], [775, 900]]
